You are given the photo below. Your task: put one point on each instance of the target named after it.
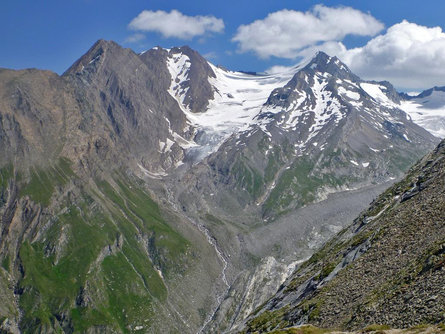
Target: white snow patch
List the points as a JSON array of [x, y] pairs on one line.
[[238, 98], [178, 65], [375, 91], [428, 112], [166, 146], [326, 108], [348, 93]]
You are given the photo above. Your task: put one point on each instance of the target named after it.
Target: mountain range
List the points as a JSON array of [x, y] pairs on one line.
[[157, 192]]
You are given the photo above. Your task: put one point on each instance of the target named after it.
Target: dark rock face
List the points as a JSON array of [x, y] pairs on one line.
[[130, 94], [155, 59], [397, 279], [199, 89], [192, 80]]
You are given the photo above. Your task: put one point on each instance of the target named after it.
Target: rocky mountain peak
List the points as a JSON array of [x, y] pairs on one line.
[[321, 68], [91, 58], [190, 73], [130, 92], [321, 58], [324, 63]]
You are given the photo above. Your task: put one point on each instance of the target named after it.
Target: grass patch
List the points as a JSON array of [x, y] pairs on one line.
[[42, 182], [6, 262], [248, 178], [58, 283], [6, 173], [128, 292], [108, 244], [268, 320], [298, 186], [132, 203]]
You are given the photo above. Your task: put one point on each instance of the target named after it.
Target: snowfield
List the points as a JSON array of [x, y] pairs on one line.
[[240, 97], [428, 112]]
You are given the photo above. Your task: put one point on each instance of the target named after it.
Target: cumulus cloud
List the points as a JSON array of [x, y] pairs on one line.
[[175, 24], [286, 32], [408, 55]]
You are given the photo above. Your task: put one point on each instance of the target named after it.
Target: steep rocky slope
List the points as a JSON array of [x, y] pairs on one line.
[[133, 110], [84, 246], [386, 268], [36, 107]]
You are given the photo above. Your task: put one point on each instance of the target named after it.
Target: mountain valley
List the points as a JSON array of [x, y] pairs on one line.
[[157, 192]]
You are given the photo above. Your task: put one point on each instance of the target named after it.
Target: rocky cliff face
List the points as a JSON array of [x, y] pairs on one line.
[[386, 268], [129, 106], [36, 109], [164, 186]]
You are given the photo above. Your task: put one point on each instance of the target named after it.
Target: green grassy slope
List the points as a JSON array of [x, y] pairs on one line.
[[101, 258]]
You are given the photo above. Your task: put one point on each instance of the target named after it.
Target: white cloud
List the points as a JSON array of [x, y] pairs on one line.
[[210, 55], [408, 55], [175, 24], [276, 69], [331, 48], [286, 32], [135, 38]]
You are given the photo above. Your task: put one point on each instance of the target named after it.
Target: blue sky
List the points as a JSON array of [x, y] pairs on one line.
[[52, 34]]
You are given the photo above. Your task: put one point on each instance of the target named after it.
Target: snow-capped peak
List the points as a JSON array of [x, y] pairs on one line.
[[317, 94]]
